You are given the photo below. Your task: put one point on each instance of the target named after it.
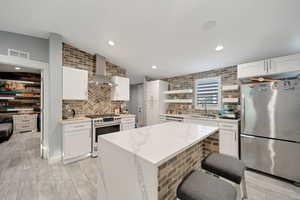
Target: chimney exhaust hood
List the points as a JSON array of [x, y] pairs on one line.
[[100, 77]]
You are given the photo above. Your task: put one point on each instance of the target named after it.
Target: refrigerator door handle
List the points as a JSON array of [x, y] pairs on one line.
[[242, 113], [247, 136]]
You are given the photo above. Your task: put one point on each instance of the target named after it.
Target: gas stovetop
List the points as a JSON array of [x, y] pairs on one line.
[[99, 120], [102, 116]]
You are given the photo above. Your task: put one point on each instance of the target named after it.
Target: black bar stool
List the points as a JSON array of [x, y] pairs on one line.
[[227, 167], [201, 186]]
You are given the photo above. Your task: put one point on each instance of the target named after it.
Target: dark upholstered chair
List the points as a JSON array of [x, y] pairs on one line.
[[227, 167], [202, 186]]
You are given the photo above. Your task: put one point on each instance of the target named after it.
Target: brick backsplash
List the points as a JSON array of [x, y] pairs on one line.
[[228, 76], [175, 169], [99, 97]]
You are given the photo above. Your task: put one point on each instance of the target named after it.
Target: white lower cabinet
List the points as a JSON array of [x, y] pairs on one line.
[[76, 141], [228, 134], [201, 122], [127, 123], [228, 142]]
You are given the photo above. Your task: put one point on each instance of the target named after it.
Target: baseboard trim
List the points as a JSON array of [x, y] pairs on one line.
[[55, 159], [70, 160]]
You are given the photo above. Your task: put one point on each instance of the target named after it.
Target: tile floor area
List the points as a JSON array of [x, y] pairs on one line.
[[262, 187], [24, 176]]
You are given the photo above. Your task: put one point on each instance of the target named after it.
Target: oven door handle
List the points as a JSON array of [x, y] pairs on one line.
[[107, 125]]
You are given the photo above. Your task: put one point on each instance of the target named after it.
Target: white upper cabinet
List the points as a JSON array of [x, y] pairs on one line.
[[284, 64], [75, 84], [251, 69], [120, 92], [269, 67]]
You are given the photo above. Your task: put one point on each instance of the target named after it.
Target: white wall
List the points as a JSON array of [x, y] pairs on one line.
[[56, 95], [37, 47], [47, 51]]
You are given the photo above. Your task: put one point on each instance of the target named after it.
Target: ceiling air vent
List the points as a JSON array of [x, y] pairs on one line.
[[18, 53]]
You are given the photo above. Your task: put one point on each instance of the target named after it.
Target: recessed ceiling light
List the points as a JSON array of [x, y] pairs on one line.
[[111, 43], [219, 48], [154, 67], [17, 68]]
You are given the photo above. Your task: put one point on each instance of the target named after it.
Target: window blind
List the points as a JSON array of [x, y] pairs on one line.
[[207, 92]]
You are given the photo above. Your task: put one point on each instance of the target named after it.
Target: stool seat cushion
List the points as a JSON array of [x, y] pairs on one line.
[[201, 186], [225, 166]]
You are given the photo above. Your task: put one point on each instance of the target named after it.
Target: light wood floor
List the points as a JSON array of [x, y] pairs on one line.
[[24, 176], [262, 187]]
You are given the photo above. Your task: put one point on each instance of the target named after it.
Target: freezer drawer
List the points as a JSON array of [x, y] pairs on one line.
[[275, 157]]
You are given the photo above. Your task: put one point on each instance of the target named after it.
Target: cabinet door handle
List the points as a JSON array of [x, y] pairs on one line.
[[235, 136], [243, 113], [79, 126], [227, 126]]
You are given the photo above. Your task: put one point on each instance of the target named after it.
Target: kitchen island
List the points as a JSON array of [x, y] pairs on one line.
[[148, 163]]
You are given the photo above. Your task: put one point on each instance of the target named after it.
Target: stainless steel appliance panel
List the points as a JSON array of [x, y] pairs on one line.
[[272, 110], [279, 158]]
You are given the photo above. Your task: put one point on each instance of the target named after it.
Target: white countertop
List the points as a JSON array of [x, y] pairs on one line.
[[75, 120], [192, 116], [160, 142]]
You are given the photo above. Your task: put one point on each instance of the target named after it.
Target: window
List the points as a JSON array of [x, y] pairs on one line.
[[208, 93]]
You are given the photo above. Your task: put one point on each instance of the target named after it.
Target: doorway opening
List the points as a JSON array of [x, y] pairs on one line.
[[21, 111], [136, 104]]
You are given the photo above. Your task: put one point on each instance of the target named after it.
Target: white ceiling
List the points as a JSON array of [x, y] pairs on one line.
[[179, 36]]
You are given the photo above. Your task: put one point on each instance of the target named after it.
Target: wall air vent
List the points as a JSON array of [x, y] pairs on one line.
[[18, 53]]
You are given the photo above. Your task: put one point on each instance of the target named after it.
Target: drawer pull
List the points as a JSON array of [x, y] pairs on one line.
[[80, 126], [231, 126], [228, 126]]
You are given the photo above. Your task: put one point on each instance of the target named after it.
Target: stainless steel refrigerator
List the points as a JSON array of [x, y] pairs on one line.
[[270, 132]]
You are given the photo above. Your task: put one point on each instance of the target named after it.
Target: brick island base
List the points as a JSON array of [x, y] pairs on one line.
[[148, 163], [174, 170]]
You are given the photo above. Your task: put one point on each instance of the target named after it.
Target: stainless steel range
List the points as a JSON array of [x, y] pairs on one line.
[[101, 125]]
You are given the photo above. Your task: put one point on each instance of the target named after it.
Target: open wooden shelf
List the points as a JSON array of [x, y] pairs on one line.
[[230, 87], [185, 91], [230, 100], [20, 81], [18, 95], [18, 92], [179, 101]]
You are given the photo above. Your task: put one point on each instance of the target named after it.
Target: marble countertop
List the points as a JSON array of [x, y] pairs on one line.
[[127, 115], [160, 142], [75, 120], [194, 116]]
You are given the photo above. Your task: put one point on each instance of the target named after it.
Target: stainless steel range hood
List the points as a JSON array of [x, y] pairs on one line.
[[100, 77]]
